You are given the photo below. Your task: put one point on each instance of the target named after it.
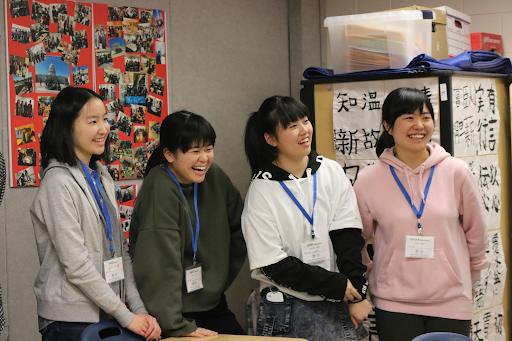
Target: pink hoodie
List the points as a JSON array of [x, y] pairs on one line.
[[453, 215]]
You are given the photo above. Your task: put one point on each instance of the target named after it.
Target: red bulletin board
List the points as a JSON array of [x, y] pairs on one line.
[[52, 45]]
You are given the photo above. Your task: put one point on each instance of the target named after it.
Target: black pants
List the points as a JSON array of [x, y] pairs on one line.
[[405, 327], [63, 331], [219, 319]]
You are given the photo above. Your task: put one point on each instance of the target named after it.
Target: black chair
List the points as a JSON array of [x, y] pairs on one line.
[[109, 331]]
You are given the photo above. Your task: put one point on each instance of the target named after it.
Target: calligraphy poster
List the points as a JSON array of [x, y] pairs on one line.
[[487, 325], [357, 116], [49, 47], [117, 51], [131, 74]]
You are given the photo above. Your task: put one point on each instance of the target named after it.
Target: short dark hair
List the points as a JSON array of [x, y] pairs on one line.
[[181, 130], [275, 111], [399, 102], [57, 137]]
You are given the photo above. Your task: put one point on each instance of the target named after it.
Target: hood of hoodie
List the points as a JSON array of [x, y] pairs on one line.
[[75, 172], [437, 154], [273, 172]]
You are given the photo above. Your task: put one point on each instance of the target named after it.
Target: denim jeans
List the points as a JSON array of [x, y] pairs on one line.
[[63, 331], [312, 320]]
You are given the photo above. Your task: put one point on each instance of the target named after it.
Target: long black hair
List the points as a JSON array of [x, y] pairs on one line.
[[57, 137], [181, 131], [399, 102], [275, 111]]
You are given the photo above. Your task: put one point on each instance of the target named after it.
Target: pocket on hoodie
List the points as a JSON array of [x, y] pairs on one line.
[[418, 280]]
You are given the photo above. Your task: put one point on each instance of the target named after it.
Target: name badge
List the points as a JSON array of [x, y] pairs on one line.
[[315, 251], [419, 247], [193, 278], [114, 270]]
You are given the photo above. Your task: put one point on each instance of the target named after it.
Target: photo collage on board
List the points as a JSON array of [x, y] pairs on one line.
[[117, 51]]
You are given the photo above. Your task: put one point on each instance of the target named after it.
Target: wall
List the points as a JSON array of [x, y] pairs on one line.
[[225, 57]]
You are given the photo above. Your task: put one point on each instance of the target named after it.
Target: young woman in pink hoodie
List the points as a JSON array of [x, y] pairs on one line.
[[423, 209]]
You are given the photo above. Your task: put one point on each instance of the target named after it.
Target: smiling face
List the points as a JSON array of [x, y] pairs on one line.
[[191, 166], [294, 141], [90, 130], [411, 132]]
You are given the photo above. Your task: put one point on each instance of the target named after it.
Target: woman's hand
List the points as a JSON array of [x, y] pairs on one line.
[[145, 325], [202, 332], [351, 293], [359, 311]]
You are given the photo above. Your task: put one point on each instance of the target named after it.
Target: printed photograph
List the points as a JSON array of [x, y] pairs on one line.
[[18, 65], [53, 42], [20, 34], [160, 52], [108, 92], [117, 47], [18, 8], [131, 63], [154, 129], [140, 154], [115, 29], [151, 146], [130, 41], [114, 171], [39, 32], [154, 105], [127, 170], [82, 14], [124, 124], [36, 54], [104, 58], [158, 25], [66, 24], [100, 37], [25, 134], [140, 134], [80, 75], [124, 149], [131, 12], [55, 10], [156, 85], [23, 85], [24, 107], [70, 55], [40, 13], [27, 157], [52, 75], [125, 212], [130, 26], [145, 16], [25, 178], [115, 13], [138, 114], [148, 64], [79, 40], [44, 105], [127, 193], [140, 169], [111, 75]]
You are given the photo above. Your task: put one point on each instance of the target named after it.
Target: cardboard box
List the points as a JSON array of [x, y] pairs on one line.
[[457, 30], [439, 40], [486, 42]]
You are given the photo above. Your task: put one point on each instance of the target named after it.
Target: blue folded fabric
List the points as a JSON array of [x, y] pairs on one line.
[[478, 61]]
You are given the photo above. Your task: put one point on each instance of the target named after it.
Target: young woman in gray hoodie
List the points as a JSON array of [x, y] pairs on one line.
[[77, 228]]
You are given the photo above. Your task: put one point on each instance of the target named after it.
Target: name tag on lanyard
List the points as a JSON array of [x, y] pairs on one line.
[[193, 278], [315, 251], [114, 270], [419, 247]]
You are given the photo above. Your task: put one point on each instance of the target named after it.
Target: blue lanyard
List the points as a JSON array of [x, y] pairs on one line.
[[101, 202], [195, 236], [422, 206], [297, 203]]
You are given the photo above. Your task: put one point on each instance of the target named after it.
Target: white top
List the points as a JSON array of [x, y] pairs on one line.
[[274, 227]]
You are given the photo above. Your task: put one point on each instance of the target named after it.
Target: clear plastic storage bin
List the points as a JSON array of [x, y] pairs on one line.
[[378, 40]]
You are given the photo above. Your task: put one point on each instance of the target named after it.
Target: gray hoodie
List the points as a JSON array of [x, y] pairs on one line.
[[69, 235]]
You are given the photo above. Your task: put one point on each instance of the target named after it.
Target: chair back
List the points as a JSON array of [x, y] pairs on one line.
[[441, 336], [109, 331]]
